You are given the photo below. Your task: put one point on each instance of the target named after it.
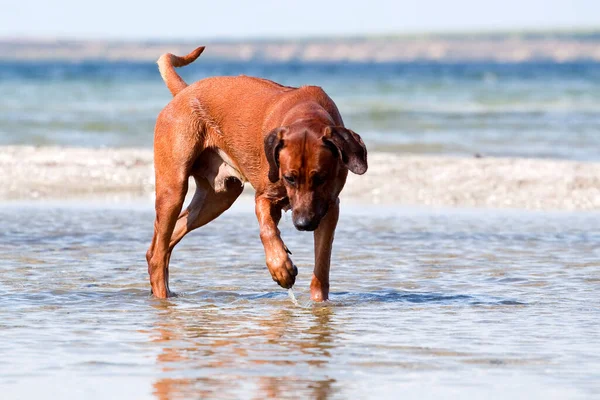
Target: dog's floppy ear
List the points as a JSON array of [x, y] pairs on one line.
[[350, 147], [273, 144]]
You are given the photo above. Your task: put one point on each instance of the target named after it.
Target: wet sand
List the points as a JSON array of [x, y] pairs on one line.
[[36, 173]]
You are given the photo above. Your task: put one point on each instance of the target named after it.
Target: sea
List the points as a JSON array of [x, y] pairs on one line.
[[426, 303], [530, 109]]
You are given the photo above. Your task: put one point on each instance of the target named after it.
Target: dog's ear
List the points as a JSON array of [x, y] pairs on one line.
[[273, 144], [350, 146]]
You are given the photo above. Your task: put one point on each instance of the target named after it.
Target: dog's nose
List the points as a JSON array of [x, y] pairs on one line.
[[303, 223]]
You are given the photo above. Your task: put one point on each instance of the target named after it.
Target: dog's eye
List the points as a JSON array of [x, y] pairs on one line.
[[290, 179], [318, 180]]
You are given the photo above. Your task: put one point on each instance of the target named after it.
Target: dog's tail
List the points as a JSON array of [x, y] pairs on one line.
[[167, 64]]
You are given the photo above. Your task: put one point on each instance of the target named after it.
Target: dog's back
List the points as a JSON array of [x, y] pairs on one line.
[[289, 143]]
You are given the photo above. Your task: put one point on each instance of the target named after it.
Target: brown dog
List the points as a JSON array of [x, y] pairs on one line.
[[289, 143]]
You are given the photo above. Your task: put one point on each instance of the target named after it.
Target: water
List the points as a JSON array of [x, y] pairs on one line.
[[424, 304], [527, 109]]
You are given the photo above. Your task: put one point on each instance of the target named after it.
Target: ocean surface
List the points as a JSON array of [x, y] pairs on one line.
[[425, 304], [533, 109]]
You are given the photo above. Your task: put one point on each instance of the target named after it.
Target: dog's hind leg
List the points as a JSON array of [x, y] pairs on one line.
[[174, 157], [205, 207], [169, 201]]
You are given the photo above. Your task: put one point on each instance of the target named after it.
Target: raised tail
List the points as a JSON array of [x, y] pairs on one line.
[[167, 64]]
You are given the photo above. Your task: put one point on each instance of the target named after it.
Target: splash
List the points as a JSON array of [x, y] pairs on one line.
[[293, 297]]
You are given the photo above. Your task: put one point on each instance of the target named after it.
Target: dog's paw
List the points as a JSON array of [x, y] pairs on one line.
[[318, 291], [284, 274]]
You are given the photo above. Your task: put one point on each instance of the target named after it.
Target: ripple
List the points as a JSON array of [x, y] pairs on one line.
[[440, 296]]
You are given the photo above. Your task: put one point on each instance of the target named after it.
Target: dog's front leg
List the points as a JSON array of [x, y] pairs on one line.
[[319, 286], [280, 265]]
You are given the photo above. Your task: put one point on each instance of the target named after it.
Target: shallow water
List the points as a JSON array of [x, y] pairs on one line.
[[425, 304]]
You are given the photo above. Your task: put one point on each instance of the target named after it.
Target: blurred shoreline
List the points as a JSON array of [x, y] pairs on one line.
[[560, 46], [445, 106], [30, 173]]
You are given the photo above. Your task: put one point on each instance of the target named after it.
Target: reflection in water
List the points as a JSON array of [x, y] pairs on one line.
[[206, 353]]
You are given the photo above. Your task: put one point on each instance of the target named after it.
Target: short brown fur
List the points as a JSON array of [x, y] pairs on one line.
[[289, 143]]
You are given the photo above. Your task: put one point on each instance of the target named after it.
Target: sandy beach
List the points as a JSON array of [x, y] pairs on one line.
[[38, 173]]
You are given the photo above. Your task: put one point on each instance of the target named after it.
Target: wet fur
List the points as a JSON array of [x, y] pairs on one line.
[[215, 130]]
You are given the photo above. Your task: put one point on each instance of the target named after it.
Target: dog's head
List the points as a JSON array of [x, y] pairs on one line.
[[312, 161]]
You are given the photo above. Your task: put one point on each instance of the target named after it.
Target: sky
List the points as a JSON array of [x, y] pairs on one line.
[[228, 19]]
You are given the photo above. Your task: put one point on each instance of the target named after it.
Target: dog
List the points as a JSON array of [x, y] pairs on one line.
[[289, 143]]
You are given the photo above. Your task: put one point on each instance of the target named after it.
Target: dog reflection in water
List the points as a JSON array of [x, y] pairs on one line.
[[189, 347]]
